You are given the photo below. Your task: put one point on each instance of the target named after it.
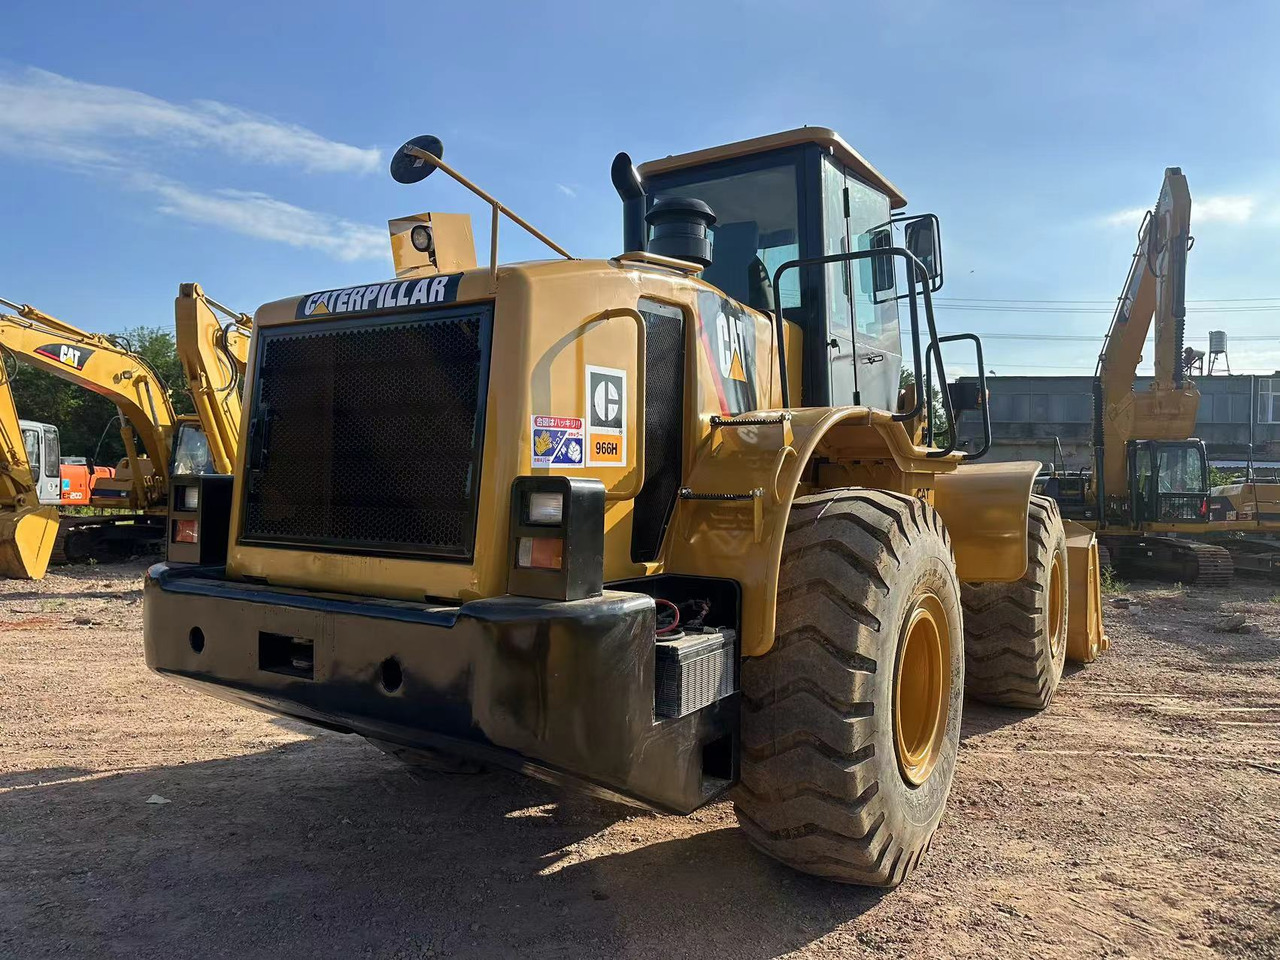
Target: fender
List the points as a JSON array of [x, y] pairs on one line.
[[756, 470], [984, 506]]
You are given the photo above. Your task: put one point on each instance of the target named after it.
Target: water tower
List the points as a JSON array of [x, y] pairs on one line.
[[1218, 348]]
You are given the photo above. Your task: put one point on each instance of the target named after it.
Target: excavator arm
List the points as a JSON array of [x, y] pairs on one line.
[[213, 358], [98, 364], [1154, 295], [27, 529]]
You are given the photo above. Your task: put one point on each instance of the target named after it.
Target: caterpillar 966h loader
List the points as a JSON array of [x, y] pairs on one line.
[[662, 525], [213, 358]]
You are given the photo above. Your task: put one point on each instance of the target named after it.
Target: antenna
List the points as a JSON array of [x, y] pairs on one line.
[[421, 156]]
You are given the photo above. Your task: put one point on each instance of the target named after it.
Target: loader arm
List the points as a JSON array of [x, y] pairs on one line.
[[1154, 296], [213, 358], [98, 364]]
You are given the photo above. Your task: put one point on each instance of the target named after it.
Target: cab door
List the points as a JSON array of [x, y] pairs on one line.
[[839, 332], [49, 479]]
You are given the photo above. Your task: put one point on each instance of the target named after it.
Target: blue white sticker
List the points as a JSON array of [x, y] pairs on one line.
[[556, 442]]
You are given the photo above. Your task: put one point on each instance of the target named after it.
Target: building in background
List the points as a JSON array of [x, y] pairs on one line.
[[1028, 413]]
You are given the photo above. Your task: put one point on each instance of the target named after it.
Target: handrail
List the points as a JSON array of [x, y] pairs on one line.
[[642, 354], [935, 349], [922, 277]]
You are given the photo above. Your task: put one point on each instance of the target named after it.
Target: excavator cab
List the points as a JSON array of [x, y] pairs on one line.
[[191, 453], [1168, 481]]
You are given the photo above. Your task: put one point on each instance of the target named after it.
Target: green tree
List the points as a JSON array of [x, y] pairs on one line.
[[937, 412], [85, 420]]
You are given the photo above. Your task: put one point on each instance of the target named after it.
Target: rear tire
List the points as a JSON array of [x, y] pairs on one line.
[[851, 721], [1015, 634]]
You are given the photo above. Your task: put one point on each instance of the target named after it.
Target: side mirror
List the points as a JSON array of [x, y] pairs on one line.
[[406, 168], [924, 242]]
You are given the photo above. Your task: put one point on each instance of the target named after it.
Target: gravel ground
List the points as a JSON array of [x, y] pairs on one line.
[[1136, 817]]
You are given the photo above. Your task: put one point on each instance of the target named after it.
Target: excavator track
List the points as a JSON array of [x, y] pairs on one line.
[[1255, 556], [1171, 559], [106, 539]]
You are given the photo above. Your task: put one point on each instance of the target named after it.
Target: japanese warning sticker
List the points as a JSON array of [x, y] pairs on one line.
[[557, 442], [606, 416]]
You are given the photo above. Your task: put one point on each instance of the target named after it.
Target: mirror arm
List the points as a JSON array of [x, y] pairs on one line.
[[498, 209]]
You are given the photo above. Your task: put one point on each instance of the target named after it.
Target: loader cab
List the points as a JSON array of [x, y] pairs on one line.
[[1168, 481], [796, 195], [43, 447]]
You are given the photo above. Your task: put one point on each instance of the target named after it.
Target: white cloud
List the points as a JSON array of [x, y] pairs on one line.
[[1235, 209], [1125, 218], [266, 218], [48, 115], [1220, 209], [566, 190]]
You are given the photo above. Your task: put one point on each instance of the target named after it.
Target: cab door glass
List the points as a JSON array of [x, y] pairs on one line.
[[875, 310], [31, 443], [52, 452], [835, 239]]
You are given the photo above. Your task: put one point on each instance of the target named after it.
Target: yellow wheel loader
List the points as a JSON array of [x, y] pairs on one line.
[[662, 526]]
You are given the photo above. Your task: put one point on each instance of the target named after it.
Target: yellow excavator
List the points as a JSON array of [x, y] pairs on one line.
[[1148, 494], [212, 355]]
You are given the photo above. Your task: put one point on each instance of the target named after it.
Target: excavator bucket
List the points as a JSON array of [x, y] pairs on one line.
[[26, 541], [1085, 636]]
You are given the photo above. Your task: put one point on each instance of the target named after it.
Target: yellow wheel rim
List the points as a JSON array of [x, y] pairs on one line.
[[1057, 606], [922, 691]]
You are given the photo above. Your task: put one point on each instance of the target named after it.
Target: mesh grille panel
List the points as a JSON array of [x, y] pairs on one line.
[[663, 427], [367, 436]]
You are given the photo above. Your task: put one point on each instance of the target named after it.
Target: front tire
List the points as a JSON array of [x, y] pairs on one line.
[[1015, 634], [851, 721]]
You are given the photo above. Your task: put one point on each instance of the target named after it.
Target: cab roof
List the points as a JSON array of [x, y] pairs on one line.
[[822, 136]]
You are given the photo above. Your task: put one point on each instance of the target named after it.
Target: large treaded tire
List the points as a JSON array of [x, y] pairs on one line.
[[821, 789], [1013, 653]]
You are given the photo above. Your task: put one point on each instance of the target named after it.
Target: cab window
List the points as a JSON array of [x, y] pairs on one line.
[[1181, 470], [191, 452], [757, 223]]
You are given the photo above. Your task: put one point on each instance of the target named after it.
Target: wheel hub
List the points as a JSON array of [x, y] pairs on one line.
[[922, 689], [1057, 607]]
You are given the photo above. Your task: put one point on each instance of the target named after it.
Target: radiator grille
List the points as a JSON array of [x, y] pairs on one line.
[[366, 436]]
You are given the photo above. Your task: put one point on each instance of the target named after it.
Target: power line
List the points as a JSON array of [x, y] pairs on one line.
[[1111, 302], [1087, 338]]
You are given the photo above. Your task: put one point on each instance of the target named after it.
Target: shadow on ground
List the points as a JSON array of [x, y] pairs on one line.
[[326, 848]]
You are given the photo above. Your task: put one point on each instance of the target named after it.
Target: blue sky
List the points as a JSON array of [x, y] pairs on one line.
[[245, 145]]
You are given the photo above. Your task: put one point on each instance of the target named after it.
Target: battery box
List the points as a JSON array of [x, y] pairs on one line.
[[694, 670]]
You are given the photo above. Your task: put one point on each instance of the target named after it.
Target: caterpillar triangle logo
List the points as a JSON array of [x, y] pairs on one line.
[[729, 353], [735, 370]]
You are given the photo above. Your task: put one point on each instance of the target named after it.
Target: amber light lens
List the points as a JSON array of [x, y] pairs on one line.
[[184, 531], [542, 553]]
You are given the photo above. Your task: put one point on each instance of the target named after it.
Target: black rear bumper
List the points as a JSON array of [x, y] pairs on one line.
[[563, 690]]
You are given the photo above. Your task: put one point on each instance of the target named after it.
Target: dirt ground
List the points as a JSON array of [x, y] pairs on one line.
[[1138, 816]]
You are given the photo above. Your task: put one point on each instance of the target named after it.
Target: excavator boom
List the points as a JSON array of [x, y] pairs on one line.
[[1154, 296], [213, 358], [96, 363]]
